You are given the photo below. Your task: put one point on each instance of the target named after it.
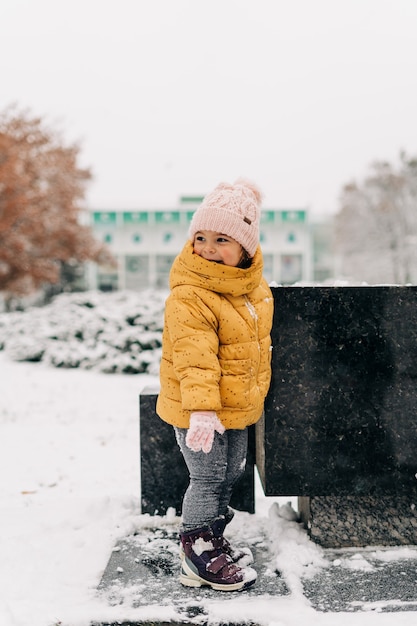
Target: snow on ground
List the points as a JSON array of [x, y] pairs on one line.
[[70, 487]]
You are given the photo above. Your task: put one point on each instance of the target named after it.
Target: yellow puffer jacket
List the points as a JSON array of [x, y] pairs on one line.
[[216, 341]]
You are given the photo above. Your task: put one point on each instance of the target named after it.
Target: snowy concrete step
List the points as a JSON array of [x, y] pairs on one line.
[[140, 584], [143, 572], [383, 580]]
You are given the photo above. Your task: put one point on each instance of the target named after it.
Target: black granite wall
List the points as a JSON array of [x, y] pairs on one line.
[[341, 413]]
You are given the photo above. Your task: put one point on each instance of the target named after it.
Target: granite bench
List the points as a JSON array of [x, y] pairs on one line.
[[340, 423]]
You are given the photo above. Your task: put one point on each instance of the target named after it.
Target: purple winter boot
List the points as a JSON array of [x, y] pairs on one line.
[[205, 563], [242, 556]]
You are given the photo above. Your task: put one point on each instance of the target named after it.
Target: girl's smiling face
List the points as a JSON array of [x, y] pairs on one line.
[[217, 247]]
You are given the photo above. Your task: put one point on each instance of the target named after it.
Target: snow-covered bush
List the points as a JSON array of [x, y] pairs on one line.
[[110, 332]]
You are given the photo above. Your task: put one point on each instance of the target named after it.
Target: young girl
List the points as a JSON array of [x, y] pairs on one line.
[[215, 373]]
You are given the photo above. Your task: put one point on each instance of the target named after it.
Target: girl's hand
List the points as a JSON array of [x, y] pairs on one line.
[[200, 435]]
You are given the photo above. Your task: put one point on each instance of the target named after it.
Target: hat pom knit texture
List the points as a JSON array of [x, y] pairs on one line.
[[233, 210]]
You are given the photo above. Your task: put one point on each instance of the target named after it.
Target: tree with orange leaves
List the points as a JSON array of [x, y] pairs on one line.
[[41, 191]]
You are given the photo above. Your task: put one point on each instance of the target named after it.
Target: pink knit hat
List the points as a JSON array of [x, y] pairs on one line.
[[233, 210]]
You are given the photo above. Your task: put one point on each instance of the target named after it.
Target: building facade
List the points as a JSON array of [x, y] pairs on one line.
[[145, 243]]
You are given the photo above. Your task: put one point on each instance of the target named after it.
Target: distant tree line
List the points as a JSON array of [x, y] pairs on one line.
[[376, 227], [42, 237]]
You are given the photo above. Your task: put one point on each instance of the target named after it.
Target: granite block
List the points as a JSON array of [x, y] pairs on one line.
[[164, 475], [341, 414]]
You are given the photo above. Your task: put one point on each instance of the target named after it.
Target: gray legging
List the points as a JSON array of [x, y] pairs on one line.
[[212, 476]]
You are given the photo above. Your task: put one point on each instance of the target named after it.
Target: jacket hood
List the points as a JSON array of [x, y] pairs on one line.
[[191, 269]]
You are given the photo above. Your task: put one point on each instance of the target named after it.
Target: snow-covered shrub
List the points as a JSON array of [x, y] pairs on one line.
[[116, 332]]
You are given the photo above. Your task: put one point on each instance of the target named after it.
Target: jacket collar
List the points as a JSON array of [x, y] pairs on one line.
[[191, 269]]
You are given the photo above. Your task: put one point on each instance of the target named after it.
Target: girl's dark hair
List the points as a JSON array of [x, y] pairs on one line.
[[245, 260]]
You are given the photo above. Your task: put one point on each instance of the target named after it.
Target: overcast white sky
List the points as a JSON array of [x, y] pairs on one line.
[[169, 97]]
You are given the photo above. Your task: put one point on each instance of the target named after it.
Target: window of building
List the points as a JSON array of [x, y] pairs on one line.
[[108, 238], [267, 216], [163, 267], [107, 281], [104, 217], [137, 271], [167, 217], [294, 216], [268, 267], [135, 217], [136, 264], [164, 262], [136, 238], [291, 268]]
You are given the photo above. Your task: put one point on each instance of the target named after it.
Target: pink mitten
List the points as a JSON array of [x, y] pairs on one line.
[[200, 435]]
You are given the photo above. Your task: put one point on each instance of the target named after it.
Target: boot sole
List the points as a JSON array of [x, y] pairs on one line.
[[188, 578]]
